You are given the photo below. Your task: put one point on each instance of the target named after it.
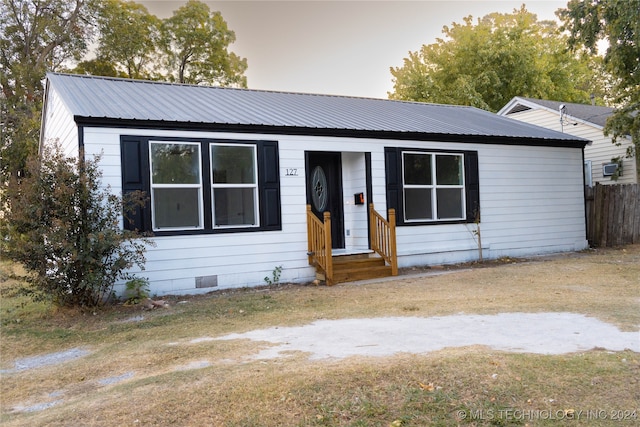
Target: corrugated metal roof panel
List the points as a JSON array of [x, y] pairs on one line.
[[103, 97]]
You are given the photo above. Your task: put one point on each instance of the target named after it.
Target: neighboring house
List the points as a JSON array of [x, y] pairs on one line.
[[585, 121], [232, 172]]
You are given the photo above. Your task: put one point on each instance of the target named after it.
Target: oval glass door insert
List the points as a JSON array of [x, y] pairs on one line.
[[319, 189]]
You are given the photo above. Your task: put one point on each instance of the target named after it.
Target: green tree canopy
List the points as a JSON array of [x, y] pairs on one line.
[[485, 64], [128, 38], [617, 22], [195, 44], [35, 36]]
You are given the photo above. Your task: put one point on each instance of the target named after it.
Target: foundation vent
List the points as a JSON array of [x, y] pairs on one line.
[[206, 281]]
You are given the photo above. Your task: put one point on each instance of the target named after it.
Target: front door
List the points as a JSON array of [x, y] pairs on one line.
[[324, 191]]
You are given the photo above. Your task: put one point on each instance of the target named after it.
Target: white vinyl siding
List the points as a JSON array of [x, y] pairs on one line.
[[599, 152], [355, 216], [59, 126], [531, 203]]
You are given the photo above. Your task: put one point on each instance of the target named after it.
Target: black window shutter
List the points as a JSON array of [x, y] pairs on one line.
[[269, 185], [472, 185], [135, 177], [393, 179]]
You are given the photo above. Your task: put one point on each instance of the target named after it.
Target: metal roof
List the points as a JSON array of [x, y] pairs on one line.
[[595, 114], [93, 97]]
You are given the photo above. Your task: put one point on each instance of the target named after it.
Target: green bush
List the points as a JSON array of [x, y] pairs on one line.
[[136, 290], [65, 228]]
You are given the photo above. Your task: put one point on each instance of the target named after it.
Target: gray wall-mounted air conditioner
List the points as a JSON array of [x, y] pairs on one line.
[[608, 169]]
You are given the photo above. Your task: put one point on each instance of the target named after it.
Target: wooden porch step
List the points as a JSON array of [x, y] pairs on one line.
[[357, 267]]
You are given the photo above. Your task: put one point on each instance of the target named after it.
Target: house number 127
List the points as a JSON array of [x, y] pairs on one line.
[[292, 172]]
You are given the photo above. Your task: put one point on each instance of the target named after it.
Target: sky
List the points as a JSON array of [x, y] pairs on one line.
[[340, 47]]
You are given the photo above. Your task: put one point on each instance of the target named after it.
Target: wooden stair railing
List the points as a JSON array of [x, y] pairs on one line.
[[383, 237], [319, 244]]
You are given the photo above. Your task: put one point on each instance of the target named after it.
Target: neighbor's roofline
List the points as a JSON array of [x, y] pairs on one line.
[[531, 104]]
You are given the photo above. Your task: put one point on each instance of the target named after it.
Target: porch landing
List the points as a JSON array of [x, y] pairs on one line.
[[379, 261], [357, 266]]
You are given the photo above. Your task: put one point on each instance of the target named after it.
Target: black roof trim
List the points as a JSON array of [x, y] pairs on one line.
[[349, 133]]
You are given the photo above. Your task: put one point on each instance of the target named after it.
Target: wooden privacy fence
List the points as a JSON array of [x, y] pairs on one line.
[[613, 214]]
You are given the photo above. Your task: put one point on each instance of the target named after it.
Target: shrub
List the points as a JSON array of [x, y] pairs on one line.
[[136, 290], [65, 228], [275, 276]]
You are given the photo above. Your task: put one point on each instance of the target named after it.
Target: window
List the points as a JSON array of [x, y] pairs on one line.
[[234, 185], [432, 187], [588, 179], [202, 186], [176, 185]]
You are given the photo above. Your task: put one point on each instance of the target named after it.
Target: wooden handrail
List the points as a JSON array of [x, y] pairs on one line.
[[383, 237], [319, 243]]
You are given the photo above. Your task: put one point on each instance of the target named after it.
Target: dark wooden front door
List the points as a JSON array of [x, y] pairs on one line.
[[324, 190]]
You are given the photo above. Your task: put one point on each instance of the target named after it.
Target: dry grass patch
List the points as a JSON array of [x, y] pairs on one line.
[[436, 389], [162, 368]]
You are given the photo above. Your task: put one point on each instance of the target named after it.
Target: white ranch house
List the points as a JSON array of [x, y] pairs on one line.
[[240, 180], [585, 121]]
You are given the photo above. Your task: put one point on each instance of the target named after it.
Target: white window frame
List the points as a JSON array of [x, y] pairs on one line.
[[198, 186], [434, 187], [588, 174], [254, 186]]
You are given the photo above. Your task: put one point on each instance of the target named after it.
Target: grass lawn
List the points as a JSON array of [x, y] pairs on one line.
[[125, 366]]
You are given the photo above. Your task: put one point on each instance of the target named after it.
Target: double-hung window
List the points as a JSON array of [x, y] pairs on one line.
[[176, 185], [234, 185], [431, 186], [200, 186]]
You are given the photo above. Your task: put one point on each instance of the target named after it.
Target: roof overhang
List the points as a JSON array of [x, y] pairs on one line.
[[329, 132]]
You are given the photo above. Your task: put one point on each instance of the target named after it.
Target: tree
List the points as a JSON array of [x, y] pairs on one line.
[[98, 67], [195, 44], [500, 56], [618, 23], [128, 36], [36, 36], [64, 227]]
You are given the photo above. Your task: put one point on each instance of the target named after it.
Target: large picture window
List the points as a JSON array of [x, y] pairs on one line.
[[176, 185], [432, 186], [202, 186]]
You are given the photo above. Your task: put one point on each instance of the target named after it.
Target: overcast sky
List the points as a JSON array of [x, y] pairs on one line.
[[340, 47]]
